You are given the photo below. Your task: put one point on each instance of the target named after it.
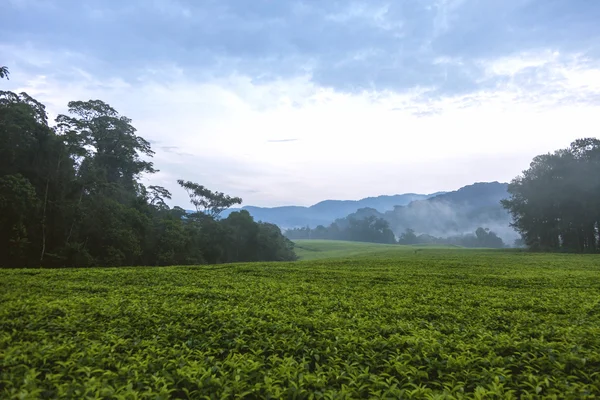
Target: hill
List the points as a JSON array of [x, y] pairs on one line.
[[452, 213], [325, 212]]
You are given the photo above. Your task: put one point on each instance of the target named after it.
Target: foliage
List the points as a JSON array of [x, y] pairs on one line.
[[367, 229], [206, 201], [4, 72], [482, 237], [395, 324], [408, 237], [555, 203], [450, 214], [376, 230], [71, 195]]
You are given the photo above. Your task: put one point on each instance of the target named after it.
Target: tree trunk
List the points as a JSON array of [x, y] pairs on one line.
[[591, 238], [44, 220], [74, 218]]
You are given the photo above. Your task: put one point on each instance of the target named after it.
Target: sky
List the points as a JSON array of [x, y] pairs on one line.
[[285, 102]]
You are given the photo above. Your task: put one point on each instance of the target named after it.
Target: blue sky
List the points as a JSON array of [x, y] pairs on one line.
[[291, 102]]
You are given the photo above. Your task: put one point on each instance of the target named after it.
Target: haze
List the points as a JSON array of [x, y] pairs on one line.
[[293, 102]]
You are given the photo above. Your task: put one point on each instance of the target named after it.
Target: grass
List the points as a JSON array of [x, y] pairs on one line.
[[323, 249], [328, 249], [384, 323]]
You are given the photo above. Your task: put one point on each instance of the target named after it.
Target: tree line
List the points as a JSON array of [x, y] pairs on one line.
[[71, 196], [369, 229], [482, 237], [555, 203], [377, 230]]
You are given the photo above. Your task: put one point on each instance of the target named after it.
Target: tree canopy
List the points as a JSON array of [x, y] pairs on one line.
[[71, 195], [555, 203], [207, 201], [368, 229]]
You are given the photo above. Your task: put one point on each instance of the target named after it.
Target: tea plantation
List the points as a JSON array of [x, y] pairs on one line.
[[395, 323]]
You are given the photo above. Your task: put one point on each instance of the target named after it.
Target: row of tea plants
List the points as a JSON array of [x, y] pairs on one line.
[[431, 324]]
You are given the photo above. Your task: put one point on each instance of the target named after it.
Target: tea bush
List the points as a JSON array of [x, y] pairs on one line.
[[429, 324]]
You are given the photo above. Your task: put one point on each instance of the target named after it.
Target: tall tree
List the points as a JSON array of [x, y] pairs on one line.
[[115, 158], [71, 195], [368, 229], [32, 150], [555, 203], [206, 201]]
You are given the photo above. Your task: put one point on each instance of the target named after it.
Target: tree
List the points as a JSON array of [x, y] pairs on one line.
[[519, 243], [157, 195], [114, 158], [555, 203], [17, 199], [367, 229], [486, 238], [242, 234], [71, 195], [29, 148], [206, 201], [272, 245], [4, 72], [408, 237]]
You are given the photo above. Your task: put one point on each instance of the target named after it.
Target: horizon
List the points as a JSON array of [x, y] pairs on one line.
[[432, 194], [291, 103]]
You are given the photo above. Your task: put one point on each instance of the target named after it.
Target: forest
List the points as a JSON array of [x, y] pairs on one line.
[[376, 230], [71, 196], [368, 229]]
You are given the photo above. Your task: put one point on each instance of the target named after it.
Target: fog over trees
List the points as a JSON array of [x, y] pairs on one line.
[[555, 203]]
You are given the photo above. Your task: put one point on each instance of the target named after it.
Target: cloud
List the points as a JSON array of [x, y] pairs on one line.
[[175, 150], [282, 140], [351, 46], [377, 97]]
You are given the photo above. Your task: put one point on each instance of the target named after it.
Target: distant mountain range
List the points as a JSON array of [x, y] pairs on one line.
[[325, 212], [452, 213], [439, 214]]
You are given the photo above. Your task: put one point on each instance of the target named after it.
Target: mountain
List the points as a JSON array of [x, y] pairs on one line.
[[452, 213], [325, 212]]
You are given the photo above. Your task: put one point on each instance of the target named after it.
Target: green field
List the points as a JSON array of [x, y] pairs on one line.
[[328, 249], [383, 323]]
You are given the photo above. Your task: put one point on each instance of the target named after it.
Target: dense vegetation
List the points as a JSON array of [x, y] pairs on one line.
[[368, 229], [556, 202], [451, 214], [70, 195], [482, 237], [376, 230], [395, 324]]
